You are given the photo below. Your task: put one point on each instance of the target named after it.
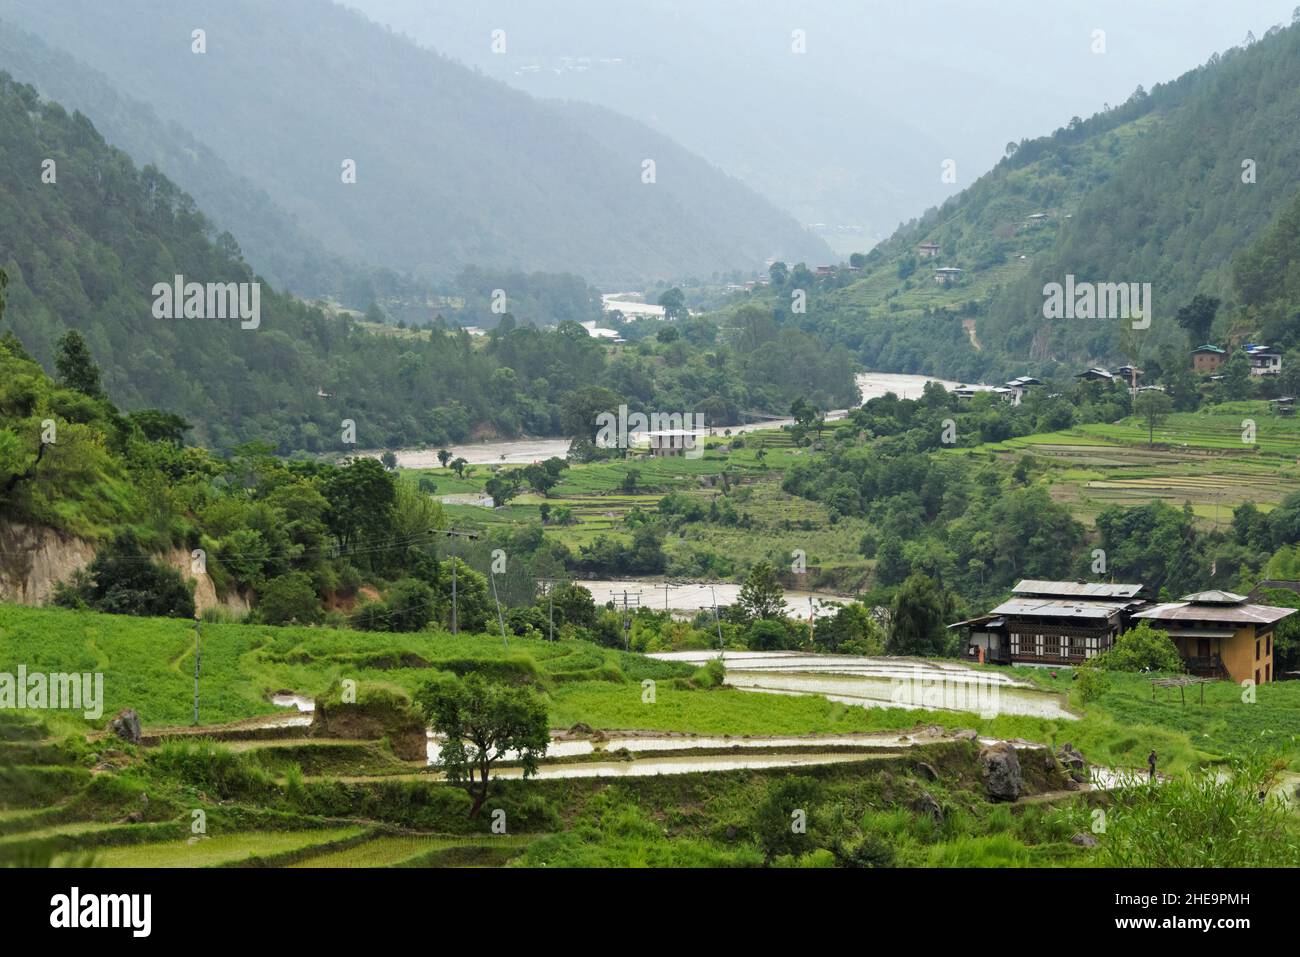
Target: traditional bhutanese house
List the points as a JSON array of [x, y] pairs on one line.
[[947, 274], [1221, 635], [1263, 359], [1207, 358], [928, 250], [1095, 374], [1053, 623]]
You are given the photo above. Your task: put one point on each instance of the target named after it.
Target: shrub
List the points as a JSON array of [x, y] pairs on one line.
[[1142, 649]]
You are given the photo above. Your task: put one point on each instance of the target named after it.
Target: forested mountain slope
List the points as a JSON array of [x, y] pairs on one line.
[[86, 251], [452, 169], [1152, 191]]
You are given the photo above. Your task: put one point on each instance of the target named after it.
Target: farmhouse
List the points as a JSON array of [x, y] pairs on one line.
[[1053, 623], [671, 442], [1263, 360], [1207, 358], [928, 250], [1221, 635], [1096, 374], [1217, 634], [946, 275]]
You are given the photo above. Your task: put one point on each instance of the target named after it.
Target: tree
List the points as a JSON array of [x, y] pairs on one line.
[[159, 426], [361, 496], [443, 457], [409, 605], [1152, 407], [1197, 317], [288, 599], [388, 459], [917, 620], [540, 478], [762, 596], [1142, 649], [458, 466], [674, 303], [502, 488], [767, 634], [572, 605], [76, 366], [851, 630], [480, 722]]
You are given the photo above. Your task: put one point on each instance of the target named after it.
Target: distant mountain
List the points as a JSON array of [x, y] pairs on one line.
[[1169, 188], [452, 169]]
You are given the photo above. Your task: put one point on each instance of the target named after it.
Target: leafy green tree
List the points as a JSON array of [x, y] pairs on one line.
[[444, 457], [410, 605], [76, 366], [767, 634], [761, 597], [1197, 317], [1142, 648], [851, 630], [1152, 407], [573, 605], [674, 304], [361, 496], [480, 723], [288, 600], [917, 625]]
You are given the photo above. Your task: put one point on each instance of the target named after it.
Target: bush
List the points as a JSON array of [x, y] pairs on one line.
[[1142, 649]]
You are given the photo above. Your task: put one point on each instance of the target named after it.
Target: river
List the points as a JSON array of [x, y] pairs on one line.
[[526, 451]]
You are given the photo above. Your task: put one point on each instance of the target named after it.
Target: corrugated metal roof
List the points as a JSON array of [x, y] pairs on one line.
[[1237, 614], [1060, 608], [1216, 597], [1033, 586]]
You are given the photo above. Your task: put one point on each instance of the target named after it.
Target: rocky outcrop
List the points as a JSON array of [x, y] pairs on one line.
[[126, 725], [1073, 763], [1000, 771], [35, 559]]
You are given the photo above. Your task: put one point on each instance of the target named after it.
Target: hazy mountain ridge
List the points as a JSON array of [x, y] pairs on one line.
[[453, 168]]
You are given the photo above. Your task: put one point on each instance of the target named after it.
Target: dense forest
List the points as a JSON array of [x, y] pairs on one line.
[[470, 172], [84, 252]]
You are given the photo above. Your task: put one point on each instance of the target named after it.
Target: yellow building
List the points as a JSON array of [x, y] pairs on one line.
[[1220, 635]]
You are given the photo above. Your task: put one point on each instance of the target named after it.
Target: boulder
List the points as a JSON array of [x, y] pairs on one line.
[[927, 771], [1084, 840], [926, 804], [965, 734], [1000, 771], [126, 725], [1075, 766]]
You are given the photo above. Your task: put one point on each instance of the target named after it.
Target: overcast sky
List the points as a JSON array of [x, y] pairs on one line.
[[855, 129]]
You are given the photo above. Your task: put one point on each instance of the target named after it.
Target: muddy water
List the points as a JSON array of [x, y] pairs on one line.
[[686, 598], [912, 684], [685, 764]]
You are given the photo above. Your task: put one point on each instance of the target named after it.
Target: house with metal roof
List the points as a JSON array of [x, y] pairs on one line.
[[1053, 623], [1220, 634]]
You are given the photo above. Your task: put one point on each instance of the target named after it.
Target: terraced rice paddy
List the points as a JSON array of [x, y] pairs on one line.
[[209, 851], [414, 849]]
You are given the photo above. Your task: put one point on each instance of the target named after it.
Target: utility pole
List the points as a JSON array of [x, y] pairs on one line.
[[627, 617], [196, 668], [716, 622], [548, 589], [449, 532], [493, 575]]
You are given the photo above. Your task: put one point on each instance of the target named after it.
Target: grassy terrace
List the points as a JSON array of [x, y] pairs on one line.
[[1197, 457]]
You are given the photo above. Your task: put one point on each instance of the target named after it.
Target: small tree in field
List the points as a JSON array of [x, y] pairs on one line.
[[483, 721], [1152, 407]]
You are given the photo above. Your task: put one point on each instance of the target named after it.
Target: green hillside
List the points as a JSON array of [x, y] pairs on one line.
[[1148, 191]]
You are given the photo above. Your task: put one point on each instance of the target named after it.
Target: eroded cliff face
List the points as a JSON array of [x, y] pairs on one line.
[[34, 559]]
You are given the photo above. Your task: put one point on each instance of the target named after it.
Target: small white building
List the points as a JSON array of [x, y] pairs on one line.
[[672, 442], [1263, 359], [946, 275]]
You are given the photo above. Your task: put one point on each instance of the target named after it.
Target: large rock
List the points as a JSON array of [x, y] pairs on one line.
[[1075, 766], [126, 725], [926, 804], [1000, 771]]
